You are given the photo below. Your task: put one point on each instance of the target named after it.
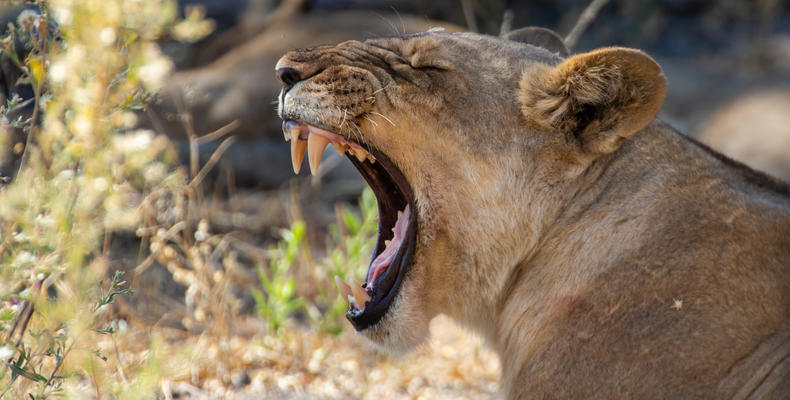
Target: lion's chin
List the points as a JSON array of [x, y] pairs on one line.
[[404, 328]]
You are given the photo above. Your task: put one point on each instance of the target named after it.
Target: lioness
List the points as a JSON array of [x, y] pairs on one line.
[[537, 199]]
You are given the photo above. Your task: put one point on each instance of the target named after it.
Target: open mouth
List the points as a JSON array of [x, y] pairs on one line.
[[397, 236]]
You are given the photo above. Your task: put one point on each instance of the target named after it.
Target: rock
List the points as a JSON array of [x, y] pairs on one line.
[[240, 379]]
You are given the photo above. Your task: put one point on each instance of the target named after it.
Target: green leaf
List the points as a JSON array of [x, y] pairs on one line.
[[108, 329], [27, 374], [351, 221], [7, 315]]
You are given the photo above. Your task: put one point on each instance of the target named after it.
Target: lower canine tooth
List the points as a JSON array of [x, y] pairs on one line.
[[298, 147], [352, 301], [315, 149], [344, 288], [360, 295]]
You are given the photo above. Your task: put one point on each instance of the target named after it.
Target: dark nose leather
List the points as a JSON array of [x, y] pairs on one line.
[[288, 76]]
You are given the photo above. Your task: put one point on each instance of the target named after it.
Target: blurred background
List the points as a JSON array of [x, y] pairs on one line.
[[232, 266]]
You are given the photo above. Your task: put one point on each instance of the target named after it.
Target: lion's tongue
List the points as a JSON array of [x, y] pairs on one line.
[[382, 262]]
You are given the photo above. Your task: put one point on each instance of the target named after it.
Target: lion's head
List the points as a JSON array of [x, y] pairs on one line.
[[472, 144]]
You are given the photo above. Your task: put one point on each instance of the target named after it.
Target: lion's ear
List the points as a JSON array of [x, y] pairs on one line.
[[599, 98], [540, 37]]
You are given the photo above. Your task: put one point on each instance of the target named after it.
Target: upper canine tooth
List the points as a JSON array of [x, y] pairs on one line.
[[298, 147], [315, 149]]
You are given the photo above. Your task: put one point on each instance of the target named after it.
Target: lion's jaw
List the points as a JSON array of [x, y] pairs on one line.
[[468, 175]]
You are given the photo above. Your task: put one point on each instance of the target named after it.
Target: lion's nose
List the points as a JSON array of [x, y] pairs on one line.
[[288, 76]]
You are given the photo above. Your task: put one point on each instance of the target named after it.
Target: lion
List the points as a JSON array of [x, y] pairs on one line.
[[534, 197]]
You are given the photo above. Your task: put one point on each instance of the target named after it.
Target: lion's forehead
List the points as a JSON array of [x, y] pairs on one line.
[[464, 50], [463, 47]]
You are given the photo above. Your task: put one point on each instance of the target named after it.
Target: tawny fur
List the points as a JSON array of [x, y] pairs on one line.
[[603, 254]]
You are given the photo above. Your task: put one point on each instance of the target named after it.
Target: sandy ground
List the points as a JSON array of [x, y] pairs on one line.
[[302, 365]]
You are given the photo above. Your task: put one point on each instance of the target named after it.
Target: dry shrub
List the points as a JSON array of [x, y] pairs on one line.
[[83, 172]]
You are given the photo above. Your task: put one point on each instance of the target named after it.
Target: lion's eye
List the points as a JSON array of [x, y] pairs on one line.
[[427, 61]]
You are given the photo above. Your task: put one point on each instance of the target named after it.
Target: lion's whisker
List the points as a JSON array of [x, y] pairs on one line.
[[379, 90], [371, 121], [358, 132], [385, 118]]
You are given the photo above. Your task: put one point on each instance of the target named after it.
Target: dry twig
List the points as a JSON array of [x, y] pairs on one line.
[[587, 16], [507, 23], [469, 15]]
